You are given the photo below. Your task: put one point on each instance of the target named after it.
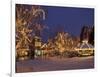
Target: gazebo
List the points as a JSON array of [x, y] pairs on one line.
[[85, 49]]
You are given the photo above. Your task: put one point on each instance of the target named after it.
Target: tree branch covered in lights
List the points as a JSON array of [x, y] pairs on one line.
[[26, 17]]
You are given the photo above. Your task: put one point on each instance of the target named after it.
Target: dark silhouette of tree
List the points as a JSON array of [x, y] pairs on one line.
[[84, 33], [91, 37]]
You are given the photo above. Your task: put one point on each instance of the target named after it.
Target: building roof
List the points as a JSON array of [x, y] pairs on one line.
[[85, 45]]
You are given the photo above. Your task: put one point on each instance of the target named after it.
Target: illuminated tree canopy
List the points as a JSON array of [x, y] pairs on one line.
[[26, 24]]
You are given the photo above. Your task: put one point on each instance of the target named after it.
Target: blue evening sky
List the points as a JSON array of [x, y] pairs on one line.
[[68, 19]]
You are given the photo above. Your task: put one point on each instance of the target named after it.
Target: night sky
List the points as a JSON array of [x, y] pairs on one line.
[[68, 19]]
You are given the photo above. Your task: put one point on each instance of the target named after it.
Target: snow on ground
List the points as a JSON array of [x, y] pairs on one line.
[[54, 63]]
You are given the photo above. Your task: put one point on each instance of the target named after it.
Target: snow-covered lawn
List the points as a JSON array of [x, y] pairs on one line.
[[54, 63]]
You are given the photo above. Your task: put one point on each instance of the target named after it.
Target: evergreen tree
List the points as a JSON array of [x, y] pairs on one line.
[[91, 37], [84, 33]]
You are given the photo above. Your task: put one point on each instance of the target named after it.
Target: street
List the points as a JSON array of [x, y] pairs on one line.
[[55, 64]]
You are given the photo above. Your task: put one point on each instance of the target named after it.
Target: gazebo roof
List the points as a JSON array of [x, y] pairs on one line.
[[85, 45]]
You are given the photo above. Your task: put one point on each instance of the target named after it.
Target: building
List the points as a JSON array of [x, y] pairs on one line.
[[85, 49], [37, 46]]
